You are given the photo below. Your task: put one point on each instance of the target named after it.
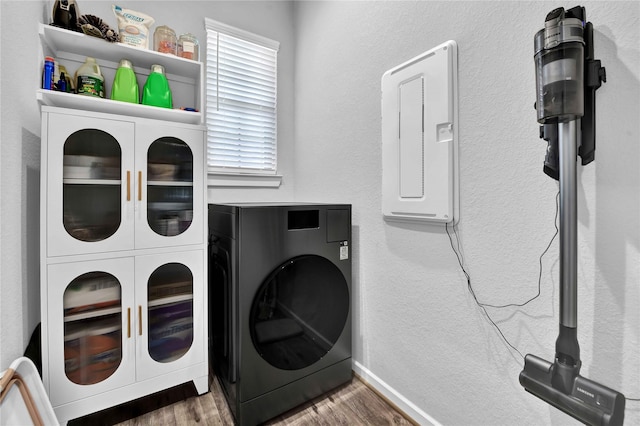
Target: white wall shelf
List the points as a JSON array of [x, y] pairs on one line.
[[70, 49], [91, 103]]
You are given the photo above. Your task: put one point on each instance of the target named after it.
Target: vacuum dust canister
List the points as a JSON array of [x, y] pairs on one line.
[[559, 60]]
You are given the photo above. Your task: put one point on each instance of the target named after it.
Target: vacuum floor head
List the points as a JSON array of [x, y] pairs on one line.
[[585, 400]]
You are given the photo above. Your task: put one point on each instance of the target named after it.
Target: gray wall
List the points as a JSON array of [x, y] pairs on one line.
[[417, 327]]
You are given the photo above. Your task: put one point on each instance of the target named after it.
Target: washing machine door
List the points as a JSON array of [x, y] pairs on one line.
[[299, 312]]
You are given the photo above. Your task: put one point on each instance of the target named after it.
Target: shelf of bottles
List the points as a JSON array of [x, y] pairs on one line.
[[71, 48]]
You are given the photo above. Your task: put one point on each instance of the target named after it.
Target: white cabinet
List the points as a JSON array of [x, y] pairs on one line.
[[116, 322], [123, 233], [170, 183], [123, 246], [121, 184], [167, 313], [89, 328], [89, 168]]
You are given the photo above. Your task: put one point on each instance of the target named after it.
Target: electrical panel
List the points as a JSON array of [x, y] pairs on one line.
[[419, 138]]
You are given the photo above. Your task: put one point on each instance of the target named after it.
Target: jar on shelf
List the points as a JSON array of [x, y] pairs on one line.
[[188, 46], [165, 40]]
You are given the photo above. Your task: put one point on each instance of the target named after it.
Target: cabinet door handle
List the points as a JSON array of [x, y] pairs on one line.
[[139, 185], [128, 323], [140, 320], [128, 185]]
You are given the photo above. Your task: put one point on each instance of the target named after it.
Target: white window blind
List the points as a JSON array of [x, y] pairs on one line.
[[241, 88]]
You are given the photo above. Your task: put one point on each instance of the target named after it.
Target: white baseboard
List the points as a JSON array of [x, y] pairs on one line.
[[406, 406]]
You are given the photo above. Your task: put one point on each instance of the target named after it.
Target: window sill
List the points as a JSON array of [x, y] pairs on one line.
[[217, 180]]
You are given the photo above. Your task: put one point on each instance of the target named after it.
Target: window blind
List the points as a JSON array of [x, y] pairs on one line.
[[241, 88]]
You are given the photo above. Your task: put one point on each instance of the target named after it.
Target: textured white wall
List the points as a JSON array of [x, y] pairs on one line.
[[19, 182], [21, 61], [416, 327]]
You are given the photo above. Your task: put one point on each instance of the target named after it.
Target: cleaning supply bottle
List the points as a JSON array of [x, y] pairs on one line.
[[62, 83], [89, 79], [125, 85], [48, 78], [62, 72], [156, 90]]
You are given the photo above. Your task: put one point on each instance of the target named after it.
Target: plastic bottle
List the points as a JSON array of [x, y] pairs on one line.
[[62, 71], [47, 74], [125, 85], [62, 83], [89, 79], [156, 90]]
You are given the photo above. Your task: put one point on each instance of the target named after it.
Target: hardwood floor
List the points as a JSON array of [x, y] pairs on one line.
[[350, 404]]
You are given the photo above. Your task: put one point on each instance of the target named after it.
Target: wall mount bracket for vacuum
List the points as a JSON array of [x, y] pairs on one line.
[[567, 77]]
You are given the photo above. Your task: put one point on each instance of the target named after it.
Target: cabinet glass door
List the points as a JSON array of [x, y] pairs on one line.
[[171, 309], [170, 173], [170, 312], [91, 171], [89, 182], [92, 305], [90, 321], [169, 186]]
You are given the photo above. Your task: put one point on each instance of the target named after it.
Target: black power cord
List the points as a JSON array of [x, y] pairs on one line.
[[484, 306]]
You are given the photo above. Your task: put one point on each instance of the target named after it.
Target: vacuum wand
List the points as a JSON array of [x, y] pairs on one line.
[[565, 82], [567, 141]]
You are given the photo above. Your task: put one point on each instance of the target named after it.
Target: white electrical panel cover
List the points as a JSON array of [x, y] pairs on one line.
[[420, 137]]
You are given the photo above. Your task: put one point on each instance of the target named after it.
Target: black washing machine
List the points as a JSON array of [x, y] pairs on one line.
[[279, 308]]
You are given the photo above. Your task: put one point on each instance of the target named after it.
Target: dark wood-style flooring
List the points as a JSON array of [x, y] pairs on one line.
[[351, 404]]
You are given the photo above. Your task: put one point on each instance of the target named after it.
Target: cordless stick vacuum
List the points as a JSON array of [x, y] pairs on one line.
[[567, 77]]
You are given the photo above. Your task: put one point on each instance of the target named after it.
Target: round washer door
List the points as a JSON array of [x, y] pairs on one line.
[[299, 312]]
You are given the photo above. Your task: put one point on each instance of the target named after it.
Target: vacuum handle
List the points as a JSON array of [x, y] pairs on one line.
[[549, 132], [568, 135], [594, 75]]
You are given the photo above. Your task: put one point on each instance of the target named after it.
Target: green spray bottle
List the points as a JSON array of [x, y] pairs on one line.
[[156, 90], [125, 85]]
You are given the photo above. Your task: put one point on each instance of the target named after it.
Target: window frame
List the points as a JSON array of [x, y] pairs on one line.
[[237, 177]]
